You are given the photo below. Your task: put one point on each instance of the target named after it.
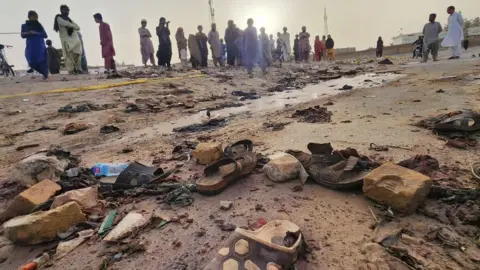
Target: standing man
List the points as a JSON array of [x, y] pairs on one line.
[[71, 44], [296, 48], [379, 50], [431, 32], [286, 39], [106, 40], [265, 47], [304, 44], [146, 44], [272, 43], [330, 44], [215, 45], [202, 40], [231, 35], [454, 37]]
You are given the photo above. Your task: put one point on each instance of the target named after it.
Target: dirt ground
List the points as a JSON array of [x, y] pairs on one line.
[[337, 225]]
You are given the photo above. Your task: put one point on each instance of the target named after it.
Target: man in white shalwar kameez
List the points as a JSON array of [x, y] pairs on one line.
[[285, 36], [454, 37]]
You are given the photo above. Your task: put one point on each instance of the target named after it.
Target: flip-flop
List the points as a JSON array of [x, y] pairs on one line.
[[467, 121], [329, 169], [238, 148], [136, 174], [218, 176], [274, 246]]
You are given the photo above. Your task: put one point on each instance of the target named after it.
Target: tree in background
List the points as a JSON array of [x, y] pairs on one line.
[[476, 22]]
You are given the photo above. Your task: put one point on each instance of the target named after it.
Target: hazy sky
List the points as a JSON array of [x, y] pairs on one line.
[[352, 23]]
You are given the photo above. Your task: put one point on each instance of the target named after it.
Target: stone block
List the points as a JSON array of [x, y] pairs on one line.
[[208, 153], [41, 227], [398, 187]]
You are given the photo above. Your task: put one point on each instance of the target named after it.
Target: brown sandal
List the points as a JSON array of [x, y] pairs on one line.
[[218, 176], [275, 246]]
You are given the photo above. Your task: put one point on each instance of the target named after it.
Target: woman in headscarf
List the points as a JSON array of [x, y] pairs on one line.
[[35, 51], [182, 46], [106, 41], [164, 53], [319, 48], [202, 44], [251, 47], [71, 44], [304, 44], [195, 54], [146, 44]]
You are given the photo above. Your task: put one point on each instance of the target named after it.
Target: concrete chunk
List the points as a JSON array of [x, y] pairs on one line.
[[42, 227], [398, 187], [208, 153], [26, 201]]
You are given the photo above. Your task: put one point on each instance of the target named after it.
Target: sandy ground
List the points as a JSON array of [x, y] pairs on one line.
[[337, 225]]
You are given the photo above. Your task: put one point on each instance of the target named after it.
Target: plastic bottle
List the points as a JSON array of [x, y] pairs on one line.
[[37, 262], [108, 169]]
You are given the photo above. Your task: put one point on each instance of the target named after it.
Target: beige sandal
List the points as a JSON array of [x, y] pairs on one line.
[[275, 246]]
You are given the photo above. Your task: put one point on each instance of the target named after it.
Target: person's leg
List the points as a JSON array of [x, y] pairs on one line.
[[425, 54], [69, 61], [456, 51], [77, 62], [434, 51]]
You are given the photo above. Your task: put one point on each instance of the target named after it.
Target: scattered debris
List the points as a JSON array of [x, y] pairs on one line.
[[316, 114], [226, 205], [66, 247], [440, 91], [86, 198], [423, 164], [73, 128], [109, 129], [107, 222], [346, 87], [130, 223], [23, 147], [328, 103], [228, 227], [386, 61], [245, 95], [211, 124], [274, 126]]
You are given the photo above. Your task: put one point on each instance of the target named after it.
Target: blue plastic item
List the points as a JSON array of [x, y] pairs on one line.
[[108, 169]]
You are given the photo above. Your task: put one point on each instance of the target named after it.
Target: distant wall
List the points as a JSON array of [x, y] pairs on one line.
[[393, 50]]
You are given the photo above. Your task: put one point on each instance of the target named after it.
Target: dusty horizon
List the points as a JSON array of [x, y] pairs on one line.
[[379, 18]]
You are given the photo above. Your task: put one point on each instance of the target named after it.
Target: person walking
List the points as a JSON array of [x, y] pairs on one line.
[[215, 46], [379, 50], [251, 47], [106, 41], [330, 45], [431, 38], [231, 36], [164, 52], [454, 37], [35, 50], [146, 44], [71, 43], [53, 58]]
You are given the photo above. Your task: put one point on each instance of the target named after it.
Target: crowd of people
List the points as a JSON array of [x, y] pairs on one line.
[[245, 48], [238, 47]]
